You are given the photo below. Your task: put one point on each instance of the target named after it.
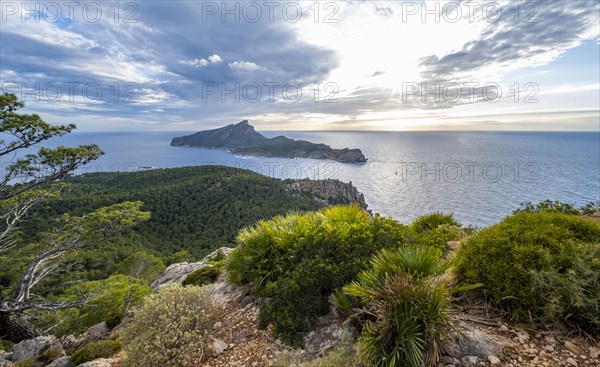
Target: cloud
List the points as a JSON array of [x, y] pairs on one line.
[[547, 30], [200, 63], [165, 59], [245, 66], [215, 59]]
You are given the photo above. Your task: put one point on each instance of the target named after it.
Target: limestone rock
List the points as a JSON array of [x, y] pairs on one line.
[[470, 341], [47, 348], [470, 361], [341, 192], [322, 339], [102, 362], [61, 362], [218, 347], [493, 360], [93, 334], [176, 273]]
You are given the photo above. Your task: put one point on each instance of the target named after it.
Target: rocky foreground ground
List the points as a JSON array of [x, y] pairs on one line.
[[236, 340]]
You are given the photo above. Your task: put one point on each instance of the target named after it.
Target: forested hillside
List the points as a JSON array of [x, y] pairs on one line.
[[193, 208]]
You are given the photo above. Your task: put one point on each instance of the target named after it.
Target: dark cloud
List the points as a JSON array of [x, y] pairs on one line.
[[157, 54]]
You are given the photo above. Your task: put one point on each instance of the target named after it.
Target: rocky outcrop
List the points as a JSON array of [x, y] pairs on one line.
[[331, 191], [93, 334], [468, 345], [38, 352], [176, 273], [241, 138]]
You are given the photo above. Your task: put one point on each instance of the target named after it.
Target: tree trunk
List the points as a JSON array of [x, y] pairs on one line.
[[16, 327]]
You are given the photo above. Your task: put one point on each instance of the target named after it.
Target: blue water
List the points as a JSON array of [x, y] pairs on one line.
[[479, 176]]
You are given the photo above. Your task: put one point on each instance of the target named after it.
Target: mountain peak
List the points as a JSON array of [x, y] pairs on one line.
[[243, 123]]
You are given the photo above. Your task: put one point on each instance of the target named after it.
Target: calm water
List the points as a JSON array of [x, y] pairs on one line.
[[479, 176]]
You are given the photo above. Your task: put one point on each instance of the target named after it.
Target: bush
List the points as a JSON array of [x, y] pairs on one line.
[[142, 265], [109, 300], [406, 301], [91, 351], [539, 266], [433, 221], [298, 260], [170, 328], [436, 230], [203, 276]]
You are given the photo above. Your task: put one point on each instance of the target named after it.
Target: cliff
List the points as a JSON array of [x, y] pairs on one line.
[[331, 191], [241, 138]]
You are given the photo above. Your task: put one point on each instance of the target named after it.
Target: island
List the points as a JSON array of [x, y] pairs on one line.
[[241, 138]]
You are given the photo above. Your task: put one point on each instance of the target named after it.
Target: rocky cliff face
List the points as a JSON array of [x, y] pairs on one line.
[[331, 191]]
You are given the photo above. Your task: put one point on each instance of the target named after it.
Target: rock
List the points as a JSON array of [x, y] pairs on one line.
[[176, 273], [39, 350], [61, 362], [550, 339], [324, 338], [93, 334], [594, 352], [470, 341], [549, 348], [470, 361], [571, 361], [342, 192], [218, 347], [448, 360], [573, 348], [504, 328], [493, 360], [102, 362]]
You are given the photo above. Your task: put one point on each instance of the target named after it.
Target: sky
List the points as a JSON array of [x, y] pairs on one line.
[[293, 65]]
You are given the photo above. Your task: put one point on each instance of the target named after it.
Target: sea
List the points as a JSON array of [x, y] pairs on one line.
[[480, 177]]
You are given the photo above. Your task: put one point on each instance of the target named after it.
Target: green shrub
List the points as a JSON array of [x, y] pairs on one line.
[[540, 266], [406, 301], [203, 276], [99, 349], [298, 260], [142, 265], [548, 206], [170, 328], [109, 299], [432, 221], [436, 230]]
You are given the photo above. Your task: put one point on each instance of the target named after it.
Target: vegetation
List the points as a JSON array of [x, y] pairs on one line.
[[203, 276], [559, 207], [197, 209], [407, 306], [29, 179], [170, 328], [343, 354], [540, 266], [142, 265], [432, 221], [99, 349], [436, 230], [300, 259], [108, 300]]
